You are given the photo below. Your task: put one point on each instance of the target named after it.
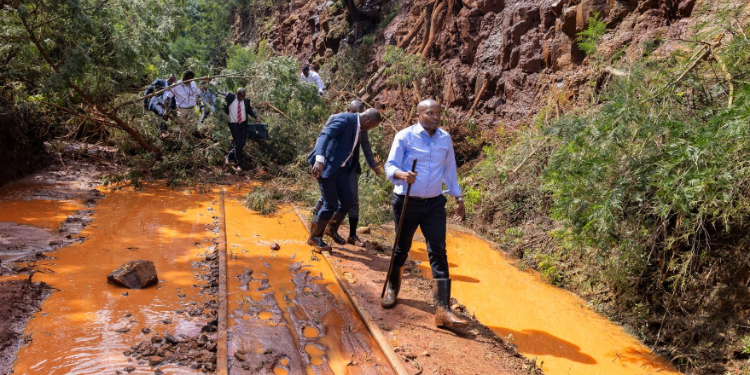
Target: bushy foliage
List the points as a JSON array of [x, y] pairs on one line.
[[588, 39], [652, 168], [403, 68]]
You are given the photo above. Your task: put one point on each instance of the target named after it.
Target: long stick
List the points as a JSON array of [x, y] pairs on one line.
[[398, 232]]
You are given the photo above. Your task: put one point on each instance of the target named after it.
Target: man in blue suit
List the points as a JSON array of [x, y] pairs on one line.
[[333, 161]]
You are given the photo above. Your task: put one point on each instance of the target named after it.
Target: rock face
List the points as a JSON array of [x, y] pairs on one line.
[[508, 56], [136, 274]]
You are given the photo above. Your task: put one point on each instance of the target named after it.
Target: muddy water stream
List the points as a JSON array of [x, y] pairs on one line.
[[287, 313], [85, 326], [544, 322]]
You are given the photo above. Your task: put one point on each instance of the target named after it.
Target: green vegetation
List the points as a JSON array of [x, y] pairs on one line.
[[403, 68], [639, 198], [588, 40]]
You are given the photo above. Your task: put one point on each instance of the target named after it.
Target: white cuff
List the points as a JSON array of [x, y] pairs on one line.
[[320, 159]]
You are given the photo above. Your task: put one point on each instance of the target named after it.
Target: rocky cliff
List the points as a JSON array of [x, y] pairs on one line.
[[503, 58]]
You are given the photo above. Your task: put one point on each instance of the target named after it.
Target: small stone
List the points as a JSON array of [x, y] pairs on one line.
[[127, 353], [275, 247], [155, 360], [129, 369], [128, 315], [167, 321], [425, 354], [158, 372], [124, 294], [146, 330], [123, 330], [364, 230]]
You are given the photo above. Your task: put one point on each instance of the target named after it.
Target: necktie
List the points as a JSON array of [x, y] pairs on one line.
[[239, 112]]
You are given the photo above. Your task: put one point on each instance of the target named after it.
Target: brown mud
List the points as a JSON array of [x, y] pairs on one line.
[[287, 313]]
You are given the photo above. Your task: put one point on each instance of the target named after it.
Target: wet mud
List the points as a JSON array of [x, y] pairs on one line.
[[99, 322], [18, 300], [287, 314]]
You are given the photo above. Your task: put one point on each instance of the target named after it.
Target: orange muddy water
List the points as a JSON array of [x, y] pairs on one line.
[[76, 330], [287, 314], [544, 322]]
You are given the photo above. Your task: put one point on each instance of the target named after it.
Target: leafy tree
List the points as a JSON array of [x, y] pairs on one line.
[[82, 54]]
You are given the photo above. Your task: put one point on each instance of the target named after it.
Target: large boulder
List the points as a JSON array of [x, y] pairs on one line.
[[136, 274]]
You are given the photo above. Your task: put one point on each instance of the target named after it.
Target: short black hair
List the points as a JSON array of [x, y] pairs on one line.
[[188, 75], [305, 67]]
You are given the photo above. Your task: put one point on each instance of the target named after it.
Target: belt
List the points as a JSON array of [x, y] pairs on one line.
[[418, 199]]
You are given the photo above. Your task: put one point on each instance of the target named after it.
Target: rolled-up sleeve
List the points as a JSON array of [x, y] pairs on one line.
[[450, 176], [395, 157]]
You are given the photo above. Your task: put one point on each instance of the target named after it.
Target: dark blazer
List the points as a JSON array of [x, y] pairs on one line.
[[335, 142], [249, 112]]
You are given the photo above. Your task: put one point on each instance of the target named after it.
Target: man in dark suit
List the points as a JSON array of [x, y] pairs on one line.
[[239, 109], [333, 158]]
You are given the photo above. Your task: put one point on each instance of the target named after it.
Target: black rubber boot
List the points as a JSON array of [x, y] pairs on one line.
[[332, 230], [444, 317], [317, 226], [353, 238], [394, 285]]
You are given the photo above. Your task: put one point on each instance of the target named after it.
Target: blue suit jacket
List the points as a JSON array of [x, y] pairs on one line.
[[335, 142]]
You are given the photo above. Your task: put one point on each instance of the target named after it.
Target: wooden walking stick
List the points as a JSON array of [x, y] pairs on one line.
[[398, 232]]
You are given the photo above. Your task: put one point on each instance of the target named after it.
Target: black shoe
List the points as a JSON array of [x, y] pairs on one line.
[[332, 230], [444, 317], [355, 240], [394, 285], [317, 226]]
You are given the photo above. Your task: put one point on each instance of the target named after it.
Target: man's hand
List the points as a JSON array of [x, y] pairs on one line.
[[409, 177], [378, 171], [317, 169], [460, 211]]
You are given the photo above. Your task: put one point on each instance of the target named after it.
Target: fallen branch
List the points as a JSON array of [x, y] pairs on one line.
[[372, 80], [702, 53], [727, 75], [479, 96], [615, 72], [276, 109]]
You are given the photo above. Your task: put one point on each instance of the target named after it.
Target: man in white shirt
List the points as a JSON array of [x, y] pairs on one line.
[[186, 96], [309, 76]]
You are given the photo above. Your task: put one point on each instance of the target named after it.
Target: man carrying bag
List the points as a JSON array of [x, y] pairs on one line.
[[239, 109]]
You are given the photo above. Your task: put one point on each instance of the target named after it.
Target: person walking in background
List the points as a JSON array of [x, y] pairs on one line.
[[356, 106], [432, 147], [156, 103], [186, 96], [310, 76], [332, 161], [208, 100], [239, 109]]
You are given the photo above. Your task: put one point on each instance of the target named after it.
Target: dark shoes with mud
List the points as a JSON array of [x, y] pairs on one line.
[[317, 226], [332, 230], [394, 285], [355, 240], [444, 317]]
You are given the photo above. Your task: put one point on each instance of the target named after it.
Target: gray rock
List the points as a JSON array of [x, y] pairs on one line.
[[136, 274]]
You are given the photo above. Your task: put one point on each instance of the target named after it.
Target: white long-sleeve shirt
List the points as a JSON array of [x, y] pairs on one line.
[[315, 79]]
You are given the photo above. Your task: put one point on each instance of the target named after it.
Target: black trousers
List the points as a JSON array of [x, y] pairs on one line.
[[430, 216], [239, 135], [336, 191]]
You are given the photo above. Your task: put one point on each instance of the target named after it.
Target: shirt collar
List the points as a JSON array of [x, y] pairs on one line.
[[419, 129]]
